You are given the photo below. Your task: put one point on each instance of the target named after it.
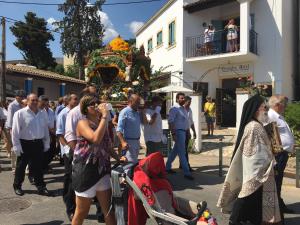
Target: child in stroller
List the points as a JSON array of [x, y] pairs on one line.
[[150, 194]]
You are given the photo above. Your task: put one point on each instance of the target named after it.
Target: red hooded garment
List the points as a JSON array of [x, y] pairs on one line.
[[150, 177]]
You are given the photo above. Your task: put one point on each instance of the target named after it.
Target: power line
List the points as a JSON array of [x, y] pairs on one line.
[[58, 4], [11, 20]]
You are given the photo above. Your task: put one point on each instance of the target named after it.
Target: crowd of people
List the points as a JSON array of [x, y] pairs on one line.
[[84, 130]]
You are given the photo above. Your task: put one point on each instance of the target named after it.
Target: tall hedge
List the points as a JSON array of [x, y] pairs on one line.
[[292, 116]]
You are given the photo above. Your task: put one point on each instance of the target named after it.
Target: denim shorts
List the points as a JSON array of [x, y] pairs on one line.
[[210, 119]]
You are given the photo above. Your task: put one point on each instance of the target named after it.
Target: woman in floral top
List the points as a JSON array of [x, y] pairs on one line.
[[91, 163]]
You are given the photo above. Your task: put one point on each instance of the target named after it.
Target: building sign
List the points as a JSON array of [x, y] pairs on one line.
[[236, 69]]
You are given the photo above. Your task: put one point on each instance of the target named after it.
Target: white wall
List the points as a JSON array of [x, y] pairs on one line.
[[288, 39], [275, 47], [165, 55]]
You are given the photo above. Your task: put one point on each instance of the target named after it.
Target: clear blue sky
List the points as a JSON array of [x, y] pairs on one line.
[[122, 19]]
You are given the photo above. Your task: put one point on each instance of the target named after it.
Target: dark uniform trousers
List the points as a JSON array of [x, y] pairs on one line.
[[33, 151], [68, 191]]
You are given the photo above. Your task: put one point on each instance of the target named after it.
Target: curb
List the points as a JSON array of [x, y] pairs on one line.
[[290, 173]]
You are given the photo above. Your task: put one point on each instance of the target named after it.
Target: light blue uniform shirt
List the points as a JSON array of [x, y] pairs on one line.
[[61, 121], [129, 123], [61, 125], [58, 110], [179, 117]]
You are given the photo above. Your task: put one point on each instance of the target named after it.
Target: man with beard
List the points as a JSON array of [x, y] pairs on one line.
[[178, 123], [277, 105], [249, 191]]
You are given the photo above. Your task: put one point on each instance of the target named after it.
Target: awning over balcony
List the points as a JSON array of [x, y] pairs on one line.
[[205, 4]]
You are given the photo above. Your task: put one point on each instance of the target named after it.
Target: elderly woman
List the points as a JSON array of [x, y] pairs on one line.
[[91, 163], [249, 190]]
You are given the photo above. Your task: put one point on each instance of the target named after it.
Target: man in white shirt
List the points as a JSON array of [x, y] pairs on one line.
[[30, 138], [68, 192], [187, 104], [152, 122], [13, 107], [48, 156], [277, 104]]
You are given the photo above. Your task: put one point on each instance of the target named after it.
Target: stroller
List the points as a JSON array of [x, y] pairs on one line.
[[142, 191]]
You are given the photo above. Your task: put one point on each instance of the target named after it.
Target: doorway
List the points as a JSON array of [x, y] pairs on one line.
[[226, 103]]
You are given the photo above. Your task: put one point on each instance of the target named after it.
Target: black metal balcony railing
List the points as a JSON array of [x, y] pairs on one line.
[[217, 43]]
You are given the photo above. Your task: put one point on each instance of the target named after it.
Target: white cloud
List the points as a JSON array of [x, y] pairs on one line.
[[50, 22], [110, 31], [134, 26]]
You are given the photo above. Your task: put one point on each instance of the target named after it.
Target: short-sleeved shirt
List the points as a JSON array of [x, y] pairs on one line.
[[285, 133], [59, 109], [61, 121], [153, 132], [208, 35], [51, 118], [71, 123], [3, 113], [210, 108], [178, 117], [129, 123], [13, 107], [190, 117]]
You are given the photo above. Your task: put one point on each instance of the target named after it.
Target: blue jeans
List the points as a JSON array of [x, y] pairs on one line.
[[179, 149]]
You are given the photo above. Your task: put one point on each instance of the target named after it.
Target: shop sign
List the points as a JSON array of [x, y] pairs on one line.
[[236, 69]]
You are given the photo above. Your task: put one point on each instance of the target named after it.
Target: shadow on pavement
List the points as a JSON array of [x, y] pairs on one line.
[[296, 207], [292, 221], [180, 183], [211, 170], [54, 222], [207, 146]]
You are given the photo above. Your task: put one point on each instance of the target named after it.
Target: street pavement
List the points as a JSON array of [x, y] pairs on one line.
[[32, 209]]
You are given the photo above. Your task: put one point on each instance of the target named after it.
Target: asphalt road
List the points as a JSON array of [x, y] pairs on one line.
[[33, 209]]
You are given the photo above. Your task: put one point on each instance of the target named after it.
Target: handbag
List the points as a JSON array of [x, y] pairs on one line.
[[85, 173]]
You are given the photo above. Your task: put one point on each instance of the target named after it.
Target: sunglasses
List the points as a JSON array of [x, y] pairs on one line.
[[93, 104]]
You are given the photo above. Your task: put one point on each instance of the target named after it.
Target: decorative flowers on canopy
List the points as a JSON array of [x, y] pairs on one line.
[[118, 66]]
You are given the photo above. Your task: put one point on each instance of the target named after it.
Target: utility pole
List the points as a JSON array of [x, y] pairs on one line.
[[3, 63]]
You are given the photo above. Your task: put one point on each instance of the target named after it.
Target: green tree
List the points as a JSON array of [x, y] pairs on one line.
[[81, 27], [72, 71], [33, 40]]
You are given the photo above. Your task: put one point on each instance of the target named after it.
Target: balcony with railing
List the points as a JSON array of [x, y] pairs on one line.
[[221, 38], [219, 44]]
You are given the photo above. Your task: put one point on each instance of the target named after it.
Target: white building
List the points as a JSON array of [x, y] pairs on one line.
[[175, 36]]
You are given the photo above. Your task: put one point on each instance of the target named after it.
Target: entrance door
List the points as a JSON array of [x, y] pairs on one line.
[[219, 106], [225, 107]]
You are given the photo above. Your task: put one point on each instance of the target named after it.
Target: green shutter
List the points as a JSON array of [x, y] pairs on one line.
[[172, 33]]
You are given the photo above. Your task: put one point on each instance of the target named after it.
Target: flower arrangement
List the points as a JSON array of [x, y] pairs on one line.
[[118, 44], [247, 83]]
